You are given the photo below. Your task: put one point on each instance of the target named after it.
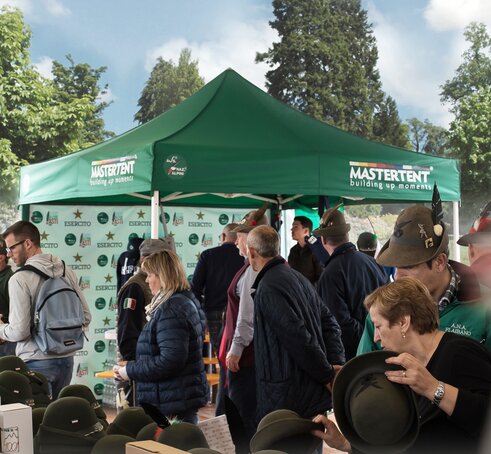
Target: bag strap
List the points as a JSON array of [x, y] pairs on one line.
[[34, 270], [38, 271]]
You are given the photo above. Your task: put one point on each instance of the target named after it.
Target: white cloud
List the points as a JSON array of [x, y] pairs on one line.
[[57, 8], [235, 47], [448, 15], [413, 69], [24, 5], [44, 67]]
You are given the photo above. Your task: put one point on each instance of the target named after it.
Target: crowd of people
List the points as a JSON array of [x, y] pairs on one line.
[[334, 325]]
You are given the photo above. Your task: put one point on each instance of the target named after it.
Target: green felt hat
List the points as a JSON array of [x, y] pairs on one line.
[[129, 422], [85, 393], [415, 239], [183, 435], [283, 429], [376, 415], [111, 444]]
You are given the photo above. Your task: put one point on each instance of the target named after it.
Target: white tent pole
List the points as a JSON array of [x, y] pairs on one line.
[[456, 233], [154, 215]]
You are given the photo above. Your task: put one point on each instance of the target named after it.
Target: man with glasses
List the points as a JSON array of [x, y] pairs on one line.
[[7, 348], [23, 246]]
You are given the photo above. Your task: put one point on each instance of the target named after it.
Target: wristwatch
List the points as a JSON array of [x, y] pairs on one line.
[[439, 393]]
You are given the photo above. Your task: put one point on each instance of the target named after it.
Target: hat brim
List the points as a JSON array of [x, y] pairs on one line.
[[281, 429], [393, 253], [352, 371], [332, 230], [476, 237]]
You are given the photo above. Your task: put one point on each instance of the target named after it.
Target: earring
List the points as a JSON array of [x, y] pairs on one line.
[[403, 334]]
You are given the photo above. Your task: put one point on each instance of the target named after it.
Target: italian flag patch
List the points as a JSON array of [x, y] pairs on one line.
[[129, 303]]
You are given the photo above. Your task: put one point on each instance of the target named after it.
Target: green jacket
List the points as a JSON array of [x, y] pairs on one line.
[[471, 319], [465, 315]]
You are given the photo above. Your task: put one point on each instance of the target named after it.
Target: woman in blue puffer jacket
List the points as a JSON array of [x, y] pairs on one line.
[[169, 370]]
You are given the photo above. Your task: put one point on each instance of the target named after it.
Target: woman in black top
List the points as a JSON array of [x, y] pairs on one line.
[[450, 374]]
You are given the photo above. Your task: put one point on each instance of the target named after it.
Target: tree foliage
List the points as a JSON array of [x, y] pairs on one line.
[[469, 96], [471, 142], [325, 66], [474, 72], [387, 125], [37, 122], [428, 138], [77, 81], [168, 85]]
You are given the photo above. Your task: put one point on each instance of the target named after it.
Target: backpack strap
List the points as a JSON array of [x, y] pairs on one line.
[[38, 271], [34, 270]]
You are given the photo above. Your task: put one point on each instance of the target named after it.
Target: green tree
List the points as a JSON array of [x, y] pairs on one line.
[[428, 138], [325, 65], [77, 81], [387, 126], [35, 123], [468, 94], [168, 85], [475, 70], [471, 142]]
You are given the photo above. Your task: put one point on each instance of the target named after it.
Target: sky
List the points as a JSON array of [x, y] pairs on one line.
[[420, 43]]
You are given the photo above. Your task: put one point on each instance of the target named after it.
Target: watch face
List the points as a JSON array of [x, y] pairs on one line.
[[439, 393]]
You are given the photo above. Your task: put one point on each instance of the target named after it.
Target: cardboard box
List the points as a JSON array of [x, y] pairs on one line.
[[149, 446], [16, 429]]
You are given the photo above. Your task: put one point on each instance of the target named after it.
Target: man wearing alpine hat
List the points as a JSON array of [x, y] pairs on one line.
[[418, 247]]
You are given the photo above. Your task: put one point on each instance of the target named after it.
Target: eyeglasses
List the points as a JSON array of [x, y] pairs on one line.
[[10, 249]]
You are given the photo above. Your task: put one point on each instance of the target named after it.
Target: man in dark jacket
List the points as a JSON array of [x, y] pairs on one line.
[[296, 339], [348, 277], [215, 270], [300, 257]]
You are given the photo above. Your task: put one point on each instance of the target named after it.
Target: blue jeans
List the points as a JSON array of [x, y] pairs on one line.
[[8, 349], [58, 372], [214, 321], [190, 416]]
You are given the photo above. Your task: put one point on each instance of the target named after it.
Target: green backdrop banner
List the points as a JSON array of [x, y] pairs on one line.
[[90, 240]]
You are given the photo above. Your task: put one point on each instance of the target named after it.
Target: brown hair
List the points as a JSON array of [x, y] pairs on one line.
[[167, 265], [406, 296], [23, 230]]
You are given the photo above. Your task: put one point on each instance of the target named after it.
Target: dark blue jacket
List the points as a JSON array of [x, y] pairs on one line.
[[348, 277], [296, 342], [213, 274], [169, 368]]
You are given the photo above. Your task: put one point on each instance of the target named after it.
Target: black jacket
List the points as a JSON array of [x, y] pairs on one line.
[[296, 342], [301, 259], [348, 277], [215, 270], [169, 370], [133, 296]]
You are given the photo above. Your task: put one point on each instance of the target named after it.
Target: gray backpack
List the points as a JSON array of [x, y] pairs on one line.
[[58, 315]]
